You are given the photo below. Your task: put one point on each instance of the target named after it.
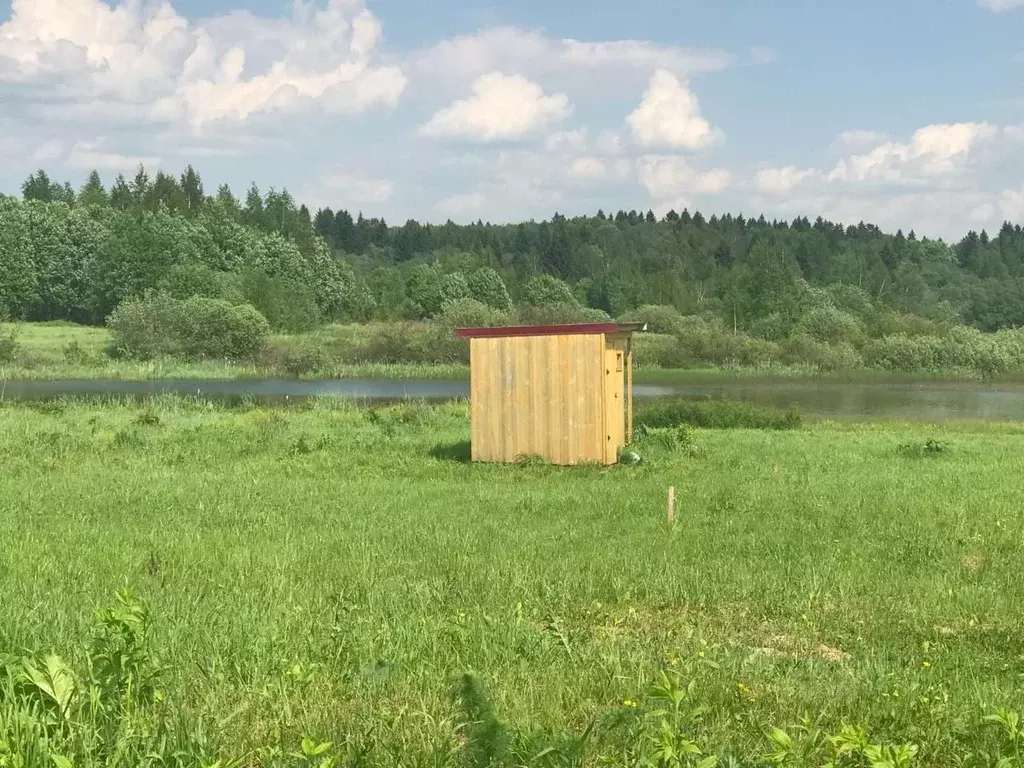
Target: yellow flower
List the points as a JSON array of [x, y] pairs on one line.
[[926, 663]]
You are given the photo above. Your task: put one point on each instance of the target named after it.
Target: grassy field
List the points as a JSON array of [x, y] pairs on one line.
[[330, 574], [43, 354], [61, 351]]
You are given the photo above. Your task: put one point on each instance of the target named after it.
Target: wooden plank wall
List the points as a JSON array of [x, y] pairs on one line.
[[539, 395], [615, 388]]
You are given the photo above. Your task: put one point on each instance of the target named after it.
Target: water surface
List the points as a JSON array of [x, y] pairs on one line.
[[915, 401]]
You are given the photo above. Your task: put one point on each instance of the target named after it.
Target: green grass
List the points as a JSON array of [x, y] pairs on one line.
[[326, 572], [41, 354]]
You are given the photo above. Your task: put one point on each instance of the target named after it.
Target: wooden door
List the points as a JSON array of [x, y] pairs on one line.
[[614, 398]]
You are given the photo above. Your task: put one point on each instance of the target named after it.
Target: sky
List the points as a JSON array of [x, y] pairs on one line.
[[904, 113]]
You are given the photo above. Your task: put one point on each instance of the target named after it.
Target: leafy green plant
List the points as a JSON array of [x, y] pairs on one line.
[[715, 414], [8, 348], [930, 447]]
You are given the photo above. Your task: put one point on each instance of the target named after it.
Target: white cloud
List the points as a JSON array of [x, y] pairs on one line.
[[670, 116], [15, 151], [859, 139], [502, 107], [462, 205], [591, 66], [1015, 133], [90, 155], [999, 6], [933, 151], [356, 188], [147, 62], [587, 168], [782, 181], [671, 180]]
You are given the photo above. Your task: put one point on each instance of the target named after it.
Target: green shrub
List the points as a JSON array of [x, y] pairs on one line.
[[655, 350], [211, 328], [411, 343], [830, 325], [453, 287], [659, 318], [903, 353], [487, 287], [76, 354], [545, 290], [715, 414], [288, 305], [300, 357], [183, 281], [8, 348], [560, 314], [146, 328], [160, 326], [801, 349], [470, 313]]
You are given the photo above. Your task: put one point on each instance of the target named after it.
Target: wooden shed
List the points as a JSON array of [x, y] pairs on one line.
[[561, 392]]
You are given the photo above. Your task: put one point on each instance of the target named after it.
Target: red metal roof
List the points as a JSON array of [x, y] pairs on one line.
[[549, 330]]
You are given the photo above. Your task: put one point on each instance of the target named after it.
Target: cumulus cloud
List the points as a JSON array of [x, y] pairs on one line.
[[355, 189], [781, 181], [15, 151], [999, 6], [672, 181], [933, 151], [670, 116], [147, 62], [566, 62], [91, 155], [502, 107]]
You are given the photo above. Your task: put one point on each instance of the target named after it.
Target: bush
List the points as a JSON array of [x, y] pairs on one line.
[[560, 314], [545, 290], [470, 313], [301, 358], [801, 349], [288, 305], [197, 328], [146, 328], [715, 414], [76, 354], [830, 325], [412, 343], [211, 328], [8, 348], [487, 287], [183, 281], [903, 353], [659, 319], [453, 287]]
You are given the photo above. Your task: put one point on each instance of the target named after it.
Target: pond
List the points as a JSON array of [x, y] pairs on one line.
[[914, 401]]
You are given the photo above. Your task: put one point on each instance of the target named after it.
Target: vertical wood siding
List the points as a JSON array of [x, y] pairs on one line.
[[545, 396]]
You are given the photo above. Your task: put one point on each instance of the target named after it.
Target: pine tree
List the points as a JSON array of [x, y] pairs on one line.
[[93, 192], [140, 187], [39, 187], [121, 197], [192, 189]]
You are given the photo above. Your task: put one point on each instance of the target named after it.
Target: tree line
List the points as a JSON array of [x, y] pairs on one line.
[[69, 254]]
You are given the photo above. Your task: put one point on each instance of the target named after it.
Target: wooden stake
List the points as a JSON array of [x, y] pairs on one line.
[[671, 505]]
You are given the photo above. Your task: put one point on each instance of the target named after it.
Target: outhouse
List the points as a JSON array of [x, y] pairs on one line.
[[561, 392]]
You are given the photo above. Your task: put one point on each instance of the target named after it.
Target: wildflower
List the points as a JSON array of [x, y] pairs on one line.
[[926, 663]]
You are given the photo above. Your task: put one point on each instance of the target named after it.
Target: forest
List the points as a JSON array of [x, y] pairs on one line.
[[734, 288]]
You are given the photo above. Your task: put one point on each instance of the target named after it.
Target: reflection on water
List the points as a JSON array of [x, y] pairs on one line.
[[922, 401]]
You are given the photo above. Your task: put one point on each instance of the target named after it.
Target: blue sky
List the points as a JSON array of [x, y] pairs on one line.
[[908, 114]]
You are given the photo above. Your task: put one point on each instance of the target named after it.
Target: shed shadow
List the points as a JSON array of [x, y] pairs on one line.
[[459, 452]]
